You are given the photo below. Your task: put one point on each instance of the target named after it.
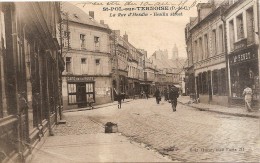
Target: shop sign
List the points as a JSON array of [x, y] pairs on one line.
[[243, 56], [240, 44], [80, 78]]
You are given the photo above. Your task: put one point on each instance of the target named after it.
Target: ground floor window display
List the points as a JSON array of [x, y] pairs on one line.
[[242, 75], [243, 72]]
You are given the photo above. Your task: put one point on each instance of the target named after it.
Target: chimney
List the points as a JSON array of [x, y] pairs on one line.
[[117, 32], [102, 22], [91, 14], [125, 37]]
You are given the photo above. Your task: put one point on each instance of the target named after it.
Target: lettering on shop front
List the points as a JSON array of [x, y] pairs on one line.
[[75, 78], [242, 57]]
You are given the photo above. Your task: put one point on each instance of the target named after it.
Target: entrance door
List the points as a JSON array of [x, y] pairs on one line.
[[81, 94]]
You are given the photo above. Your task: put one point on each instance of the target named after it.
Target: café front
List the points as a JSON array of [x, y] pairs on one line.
[[244, 71]]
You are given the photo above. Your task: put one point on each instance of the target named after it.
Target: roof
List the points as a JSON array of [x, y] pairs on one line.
[[77, 15]]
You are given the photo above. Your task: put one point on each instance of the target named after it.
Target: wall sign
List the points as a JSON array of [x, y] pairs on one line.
[[79, 78], [243, 56]]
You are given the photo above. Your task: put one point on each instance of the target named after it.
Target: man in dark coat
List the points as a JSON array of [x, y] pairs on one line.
[[157, 96], [173, 95]]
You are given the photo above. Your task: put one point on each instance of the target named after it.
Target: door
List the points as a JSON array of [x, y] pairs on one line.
[[81, 94], [209, 86]]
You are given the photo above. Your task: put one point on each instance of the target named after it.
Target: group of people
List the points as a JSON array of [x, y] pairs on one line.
[[170, 95]]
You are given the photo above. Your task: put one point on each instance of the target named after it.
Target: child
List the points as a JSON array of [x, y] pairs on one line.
[[90, 101]]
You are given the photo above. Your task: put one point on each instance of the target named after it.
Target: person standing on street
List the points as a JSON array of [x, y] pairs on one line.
[[248, 92], [157, 96], [173, 95]]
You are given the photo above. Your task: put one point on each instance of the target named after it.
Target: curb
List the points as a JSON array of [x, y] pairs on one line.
[[221, 112], [96, 107]]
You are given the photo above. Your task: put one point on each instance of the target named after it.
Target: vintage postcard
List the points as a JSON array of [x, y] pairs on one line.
[[129, 81]]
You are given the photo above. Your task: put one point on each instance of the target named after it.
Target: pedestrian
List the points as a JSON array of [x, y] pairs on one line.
[[146, 94], [119, 99], [165, 92], [173, 95], [157, 96], [123, 96], [90, 101], [248, 92]]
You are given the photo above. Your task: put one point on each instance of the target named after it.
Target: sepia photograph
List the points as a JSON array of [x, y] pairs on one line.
[[129, 81]]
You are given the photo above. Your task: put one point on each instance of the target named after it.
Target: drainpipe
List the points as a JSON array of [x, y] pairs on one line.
[[226, 57]]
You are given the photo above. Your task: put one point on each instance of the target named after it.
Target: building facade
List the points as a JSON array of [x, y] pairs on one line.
[[30, 70], [88, 64], [242, 49], [222, 48]]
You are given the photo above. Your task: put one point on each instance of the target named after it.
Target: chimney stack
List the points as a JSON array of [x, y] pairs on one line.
[[125, 37], [91, 14]]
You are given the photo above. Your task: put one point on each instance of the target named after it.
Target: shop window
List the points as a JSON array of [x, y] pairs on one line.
[[231, 35], [250, 26], [215, 82], [222, 82], [204, 83], [240, 27], [68, 64]]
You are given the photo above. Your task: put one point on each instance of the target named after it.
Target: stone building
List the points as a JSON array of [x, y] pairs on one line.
[[88, 69], [30, 70], [242, 27], [222, 48], [207, 44], [119, 53]]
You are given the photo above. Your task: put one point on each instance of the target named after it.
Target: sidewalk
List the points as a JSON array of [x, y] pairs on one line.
[[99, 147], [235, 111], [97, 106]]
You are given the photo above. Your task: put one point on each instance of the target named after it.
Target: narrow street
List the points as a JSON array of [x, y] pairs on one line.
[[185, 135]]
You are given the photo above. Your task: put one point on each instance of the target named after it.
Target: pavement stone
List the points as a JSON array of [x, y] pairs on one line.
[[185, 135]]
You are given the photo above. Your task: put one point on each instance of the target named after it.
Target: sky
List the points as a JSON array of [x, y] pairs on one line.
[[151, 32]]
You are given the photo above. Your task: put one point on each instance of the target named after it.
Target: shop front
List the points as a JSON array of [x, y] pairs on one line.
[[243, 72]]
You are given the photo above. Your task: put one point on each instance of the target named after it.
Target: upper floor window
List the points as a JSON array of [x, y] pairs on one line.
[[82, 41], [221, 40], [214, 41], [97, 61], [201, 49], [68, 64], [206, 46], [231, 34], [97, 42], [250, 26], [240, 27]]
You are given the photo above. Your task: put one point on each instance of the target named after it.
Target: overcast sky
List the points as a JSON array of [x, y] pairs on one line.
[[150, 33]]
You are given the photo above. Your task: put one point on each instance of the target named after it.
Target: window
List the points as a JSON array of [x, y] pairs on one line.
[[68, 64], [83, 66], [250, 26], [221, 40], [214, 42], [206, 46], [195, 50], [240, 27], [97, 43], [215, 82], [222, 82], [201, 49], [231, 35], [66, 42], [97, 61], [82, 41]]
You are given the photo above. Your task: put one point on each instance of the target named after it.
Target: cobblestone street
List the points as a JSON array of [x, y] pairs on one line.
[[185, 135]]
